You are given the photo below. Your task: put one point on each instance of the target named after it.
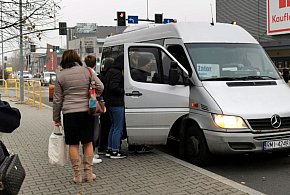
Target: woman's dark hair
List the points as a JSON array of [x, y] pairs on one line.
[[69, 59]]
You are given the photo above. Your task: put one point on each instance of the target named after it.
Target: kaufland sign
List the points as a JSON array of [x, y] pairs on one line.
[[278, 17]]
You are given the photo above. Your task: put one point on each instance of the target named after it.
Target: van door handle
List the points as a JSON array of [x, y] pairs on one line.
[[134, 93]]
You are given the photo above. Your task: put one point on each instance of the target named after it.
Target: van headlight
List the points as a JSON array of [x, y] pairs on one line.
[[229, 122]]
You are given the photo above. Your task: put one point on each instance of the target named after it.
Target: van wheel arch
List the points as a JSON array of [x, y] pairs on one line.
[[195, 146]]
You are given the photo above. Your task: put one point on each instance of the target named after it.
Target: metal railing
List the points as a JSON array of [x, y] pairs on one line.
[[3, 87], [32, 90]]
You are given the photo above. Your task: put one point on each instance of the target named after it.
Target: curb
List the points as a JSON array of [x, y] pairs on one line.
[[210, 174]]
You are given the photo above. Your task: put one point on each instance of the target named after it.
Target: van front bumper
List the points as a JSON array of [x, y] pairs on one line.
[[227, 143]]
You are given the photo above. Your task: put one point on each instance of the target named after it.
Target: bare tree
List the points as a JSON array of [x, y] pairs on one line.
[[37, 16]]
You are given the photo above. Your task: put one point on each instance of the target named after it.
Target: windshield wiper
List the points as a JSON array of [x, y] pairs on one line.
[[257, 78], [240, 78], [221, 79]]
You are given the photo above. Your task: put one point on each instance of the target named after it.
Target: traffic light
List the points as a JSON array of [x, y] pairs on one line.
[[32, 48], [158, 18], [56, 49], [98, 61], [121, 18], [62, 28]]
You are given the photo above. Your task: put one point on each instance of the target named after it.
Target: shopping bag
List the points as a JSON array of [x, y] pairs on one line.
[[56, 147]]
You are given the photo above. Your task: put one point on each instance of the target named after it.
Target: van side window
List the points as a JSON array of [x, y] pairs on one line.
[[144, 66]]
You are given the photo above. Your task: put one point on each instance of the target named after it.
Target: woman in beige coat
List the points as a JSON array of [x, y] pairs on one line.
[[71, 98]]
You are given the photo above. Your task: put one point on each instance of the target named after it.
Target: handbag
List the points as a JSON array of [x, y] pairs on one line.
[[56, 147], [100, 106], [12, 173]]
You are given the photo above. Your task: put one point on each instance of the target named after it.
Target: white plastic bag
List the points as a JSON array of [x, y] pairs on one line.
[[56, 147]]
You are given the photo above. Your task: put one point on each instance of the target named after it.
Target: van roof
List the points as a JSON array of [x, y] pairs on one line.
[[189, 32]]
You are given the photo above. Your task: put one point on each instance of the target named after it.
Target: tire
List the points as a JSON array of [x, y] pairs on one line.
[[196, 149]]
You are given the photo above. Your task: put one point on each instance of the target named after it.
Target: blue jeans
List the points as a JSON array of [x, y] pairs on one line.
[[117, 124]]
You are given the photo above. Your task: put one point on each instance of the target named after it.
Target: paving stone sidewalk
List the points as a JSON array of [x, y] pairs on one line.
[[152, 173]]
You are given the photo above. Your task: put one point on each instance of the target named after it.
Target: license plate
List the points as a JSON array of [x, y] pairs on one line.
[[276, 144]]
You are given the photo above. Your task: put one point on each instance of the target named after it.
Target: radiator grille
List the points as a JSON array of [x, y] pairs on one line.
[[265, 124]]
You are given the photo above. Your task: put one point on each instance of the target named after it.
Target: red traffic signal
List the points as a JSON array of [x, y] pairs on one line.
[[121, 18]]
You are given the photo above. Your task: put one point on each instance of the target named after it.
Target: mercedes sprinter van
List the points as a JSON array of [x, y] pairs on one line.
[[209, 87]]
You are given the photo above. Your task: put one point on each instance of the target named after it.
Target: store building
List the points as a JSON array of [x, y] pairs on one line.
[[88, 38], [266, 20]]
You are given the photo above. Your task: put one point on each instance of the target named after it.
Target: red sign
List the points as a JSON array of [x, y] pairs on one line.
[[282, 3], [278, 17]]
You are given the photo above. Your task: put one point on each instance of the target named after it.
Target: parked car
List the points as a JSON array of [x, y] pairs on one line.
[[46, 77], [26, 75]]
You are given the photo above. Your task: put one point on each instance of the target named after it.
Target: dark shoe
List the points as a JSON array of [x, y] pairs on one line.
[[108, 153], [117, 155]]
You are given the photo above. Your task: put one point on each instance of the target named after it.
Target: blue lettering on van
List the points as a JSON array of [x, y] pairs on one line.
[[204, 68]]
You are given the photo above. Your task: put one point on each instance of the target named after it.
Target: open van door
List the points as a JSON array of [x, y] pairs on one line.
[[151, 104]]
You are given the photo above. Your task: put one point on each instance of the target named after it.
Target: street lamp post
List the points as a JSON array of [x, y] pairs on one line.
[[21, 53], [147, 11], [2, 46]]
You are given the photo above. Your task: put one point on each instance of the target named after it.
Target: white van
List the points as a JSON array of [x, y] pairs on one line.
[[211, 88], [46, 77]]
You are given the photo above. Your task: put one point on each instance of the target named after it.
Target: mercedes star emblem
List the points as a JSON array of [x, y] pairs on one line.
[[276, 121]]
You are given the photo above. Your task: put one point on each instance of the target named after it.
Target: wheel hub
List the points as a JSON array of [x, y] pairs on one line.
[[193, 149]]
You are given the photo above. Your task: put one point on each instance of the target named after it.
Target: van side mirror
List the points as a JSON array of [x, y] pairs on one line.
[[173, 74], [188, 81]]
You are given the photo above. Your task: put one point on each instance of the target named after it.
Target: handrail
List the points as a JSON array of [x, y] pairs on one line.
[[32, 90], [4, 86], [13, 84], [30, 87]]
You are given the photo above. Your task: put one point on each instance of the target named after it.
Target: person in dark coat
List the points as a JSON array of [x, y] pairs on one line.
[[105, 121], [286, 74], [114, 98], [142, 70]]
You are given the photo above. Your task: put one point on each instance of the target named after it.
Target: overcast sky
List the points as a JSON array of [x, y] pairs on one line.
[[103, 12]]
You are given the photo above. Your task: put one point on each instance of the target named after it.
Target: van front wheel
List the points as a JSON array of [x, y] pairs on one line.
[[196, 149]]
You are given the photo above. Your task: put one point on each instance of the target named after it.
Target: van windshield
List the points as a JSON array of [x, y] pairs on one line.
[[227, 61]]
